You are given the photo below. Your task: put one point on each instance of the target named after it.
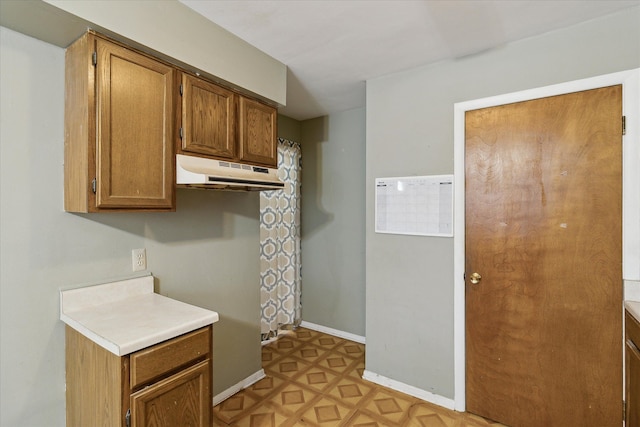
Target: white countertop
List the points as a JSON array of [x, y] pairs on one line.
[[127, 316], [634, 308]]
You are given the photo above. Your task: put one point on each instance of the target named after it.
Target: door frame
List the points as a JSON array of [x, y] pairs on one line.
[[630, 81]]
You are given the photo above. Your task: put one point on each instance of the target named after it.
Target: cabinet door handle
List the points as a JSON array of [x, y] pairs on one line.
[[127, 418]]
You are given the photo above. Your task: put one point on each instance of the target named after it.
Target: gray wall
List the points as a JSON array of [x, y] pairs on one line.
[[289, 128], [206, 253], [168, 29], [333, 169], [409, 302]]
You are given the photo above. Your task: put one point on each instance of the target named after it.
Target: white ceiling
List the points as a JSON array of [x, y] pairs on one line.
[[332, 47]]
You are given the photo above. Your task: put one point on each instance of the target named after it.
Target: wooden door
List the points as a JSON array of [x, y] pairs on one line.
[[258, 133], [182, 400], [208, 119], [544, 231], [134, 96]]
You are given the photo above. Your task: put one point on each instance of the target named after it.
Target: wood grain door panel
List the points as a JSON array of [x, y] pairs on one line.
[[258, 133], [208, 119], [633, 385], [134, 129], [180, 400], [543, 229], [632, 375]]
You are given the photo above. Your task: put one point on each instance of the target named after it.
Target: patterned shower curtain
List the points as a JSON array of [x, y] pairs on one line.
[[280, 274]]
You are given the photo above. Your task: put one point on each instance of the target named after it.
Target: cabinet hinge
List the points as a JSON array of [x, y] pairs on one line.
[[181, 90], [624, 125], [93, 186], [127, 418], [94, 58], [181, 133]]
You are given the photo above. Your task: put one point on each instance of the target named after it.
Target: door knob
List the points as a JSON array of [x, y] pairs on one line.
[[475, 278]]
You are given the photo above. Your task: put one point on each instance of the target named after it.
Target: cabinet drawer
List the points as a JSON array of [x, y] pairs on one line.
[[632, 329], [154, 362]]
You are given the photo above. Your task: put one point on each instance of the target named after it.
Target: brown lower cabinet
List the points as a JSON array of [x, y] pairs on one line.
[[632, 333], [165, 385]]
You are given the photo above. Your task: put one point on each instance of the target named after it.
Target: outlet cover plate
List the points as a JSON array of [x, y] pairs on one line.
[[139, 259]]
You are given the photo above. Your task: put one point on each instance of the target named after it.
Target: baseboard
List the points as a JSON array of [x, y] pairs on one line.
[[408, 389], [250, 380], [335, 332]]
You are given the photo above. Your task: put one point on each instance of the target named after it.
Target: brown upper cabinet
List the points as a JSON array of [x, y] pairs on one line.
[[208, 119], [119, 129], [258, 133], [222, 124], [123, 116]]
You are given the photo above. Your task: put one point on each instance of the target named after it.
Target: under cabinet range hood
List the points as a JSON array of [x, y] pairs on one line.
[[200, 172]]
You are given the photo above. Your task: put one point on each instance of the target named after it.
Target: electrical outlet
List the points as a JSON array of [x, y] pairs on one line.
[[139, 259]]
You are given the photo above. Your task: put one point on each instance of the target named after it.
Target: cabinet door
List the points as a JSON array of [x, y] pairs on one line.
[[258, 129], [181, 400], [134, 129], [633, 385], [208, 118]]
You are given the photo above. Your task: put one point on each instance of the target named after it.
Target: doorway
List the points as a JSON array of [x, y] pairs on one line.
[[631, 194], [544, 260]]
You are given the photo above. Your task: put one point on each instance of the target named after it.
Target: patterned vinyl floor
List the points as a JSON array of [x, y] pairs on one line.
[[314, 379]]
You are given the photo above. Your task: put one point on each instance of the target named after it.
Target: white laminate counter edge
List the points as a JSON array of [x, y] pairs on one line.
[[633, 307], [132, 319], [101, 341]]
